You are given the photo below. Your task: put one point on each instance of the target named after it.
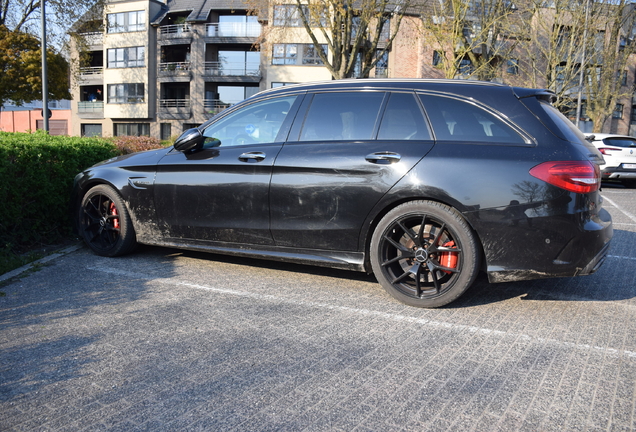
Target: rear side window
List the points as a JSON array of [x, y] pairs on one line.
[[567, 129], [342, 116], [403, 119], [456, 120]]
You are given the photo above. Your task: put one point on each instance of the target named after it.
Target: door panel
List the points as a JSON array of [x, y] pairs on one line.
[[221, 191], [324, 186], [217, 194]]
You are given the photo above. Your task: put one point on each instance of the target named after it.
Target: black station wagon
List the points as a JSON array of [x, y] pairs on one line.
[[422, 182]]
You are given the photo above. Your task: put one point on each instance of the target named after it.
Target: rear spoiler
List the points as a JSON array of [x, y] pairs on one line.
[[541, 94]]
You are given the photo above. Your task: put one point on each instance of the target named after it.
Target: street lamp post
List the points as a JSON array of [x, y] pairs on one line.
[[582, 67], [45, 87]]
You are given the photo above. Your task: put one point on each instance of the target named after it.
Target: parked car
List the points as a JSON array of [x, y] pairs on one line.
[[422, 182], [619, 152]]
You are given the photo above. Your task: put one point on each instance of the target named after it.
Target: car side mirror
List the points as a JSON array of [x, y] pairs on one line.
[[191, 138]]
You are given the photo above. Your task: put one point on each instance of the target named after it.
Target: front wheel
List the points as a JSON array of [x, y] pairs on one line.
[[104, 223], [424, 254]]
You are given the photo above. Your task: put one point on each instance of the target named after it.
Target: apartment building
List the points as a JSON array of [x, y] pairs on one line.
[[149, 67], [154, 68], [158, 67]]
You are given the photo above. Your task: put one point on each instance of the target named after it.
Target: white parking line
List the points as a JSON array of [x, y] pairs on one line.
[[622, 210], [367, 312], [622, 257]]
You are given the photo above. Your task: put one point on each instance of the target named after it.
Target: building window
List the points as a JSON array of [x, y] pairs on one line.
[[633, 120], [126, 22], [91, 130], [624, 78], [437, 57], [465, 67], [132, 129], [288, 15], [166, 131], [513, 66], [282, 84], [618, 111], [297, 54], [125, 93], [126, 57]]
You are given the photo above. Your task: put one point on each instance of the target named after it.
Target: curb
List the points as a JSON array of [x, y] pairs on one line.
[[26, 267]]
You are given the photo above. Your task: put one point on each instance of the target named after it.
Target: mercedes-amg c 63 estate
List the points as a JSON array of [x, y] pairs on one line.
[[422, 182]]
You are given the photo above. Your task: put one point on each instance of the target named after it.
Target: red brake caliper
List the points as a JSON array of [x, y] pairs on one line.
[[448, 259], [113, 212]]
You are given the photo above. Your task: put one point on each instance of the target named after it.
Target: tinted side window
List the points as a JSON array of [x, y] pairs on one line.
[[341, 116], [456, 120], [255, 123], [403, 119]]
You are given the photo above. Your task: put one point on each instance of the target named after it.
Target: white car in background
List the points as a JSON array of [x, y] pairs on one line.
[[619, 152]]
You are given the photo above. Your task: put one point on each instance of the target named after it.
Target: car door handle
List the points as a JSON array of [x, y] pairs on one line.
[[251, 157], [383, 158]]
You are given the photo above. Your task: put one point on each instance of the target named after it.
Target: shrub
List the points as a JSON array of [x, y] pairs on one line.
[[36, 173], [133, 144]]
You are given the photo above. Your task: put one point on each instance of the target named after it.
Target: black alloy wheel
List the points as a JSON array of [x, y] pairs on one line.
[[104, 222], [424, 254]]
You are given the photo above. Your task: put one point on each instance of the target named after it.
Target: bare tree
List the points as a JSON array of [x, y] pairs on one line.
[[469, 37], [558, 40], [24, 16], [356, 34]]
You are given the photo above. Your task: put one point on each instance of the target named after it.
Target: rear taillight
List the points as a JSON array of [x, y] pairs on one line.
[[607, 150], [573, 176]]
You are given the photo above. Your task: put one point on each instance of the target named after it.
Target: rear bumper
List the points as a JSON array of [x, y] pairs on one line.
[[617, 173], [565, 246]]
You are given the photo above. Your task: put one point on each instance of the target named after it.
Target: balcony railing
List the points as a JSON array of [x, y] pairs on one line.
[[174, 66], [233, 30], [90, 107], [92, 70], [174, 103], [214, 106], [175, 30], [93, 38], [231, 69]]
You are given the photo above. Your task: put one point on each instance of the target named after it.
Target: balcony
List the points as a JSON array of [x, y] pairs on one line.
[[232, 72], [215, 106], [176, 33], [175, 69], [232, 33], [90, 109], [175, 109], [92, 38], [92, 71]]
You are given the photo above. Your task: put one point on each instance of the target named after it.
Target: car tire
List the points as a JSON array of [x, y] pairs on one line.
[[424, 254], [631, 184], [104, 222]]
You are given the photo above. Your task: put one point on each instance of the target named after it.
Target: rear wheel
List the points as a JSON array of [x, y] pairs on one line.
[[424, 254], [104, 223], [629, 184]]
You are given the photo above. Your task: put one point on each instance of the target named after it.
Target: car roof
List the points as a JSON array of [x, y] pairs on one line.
[[446, 85]]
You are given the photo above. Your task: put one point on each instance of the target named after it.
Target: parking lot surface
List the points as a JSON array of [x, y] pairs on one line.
[[168, 340]]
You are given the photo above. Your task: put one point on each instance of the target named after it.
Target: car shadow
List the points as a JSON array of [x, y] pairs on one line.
[[612, 282]]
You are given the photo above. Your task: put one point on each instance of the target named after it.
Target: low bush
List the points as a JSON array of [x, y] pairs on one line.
[[134, 144], [36, 173]]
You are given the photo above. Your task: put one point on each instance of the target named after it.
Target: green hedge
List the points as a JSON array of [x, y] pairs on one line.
[[36, 177]]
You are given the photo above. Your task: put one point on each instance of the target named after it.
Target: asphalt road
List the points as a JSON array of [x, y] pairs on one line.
[[166, 340]]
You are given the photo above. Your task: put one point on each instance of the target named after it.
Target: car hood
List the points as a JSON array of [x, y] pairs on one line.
[[149, 157]]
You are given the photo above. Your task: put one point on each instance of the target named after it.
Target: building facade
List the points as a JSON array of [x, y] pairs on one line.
[[158, 67]]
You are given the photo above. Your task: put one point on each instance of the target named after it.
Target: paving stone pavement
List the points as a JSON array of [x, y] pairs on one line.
[[167, 340]]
